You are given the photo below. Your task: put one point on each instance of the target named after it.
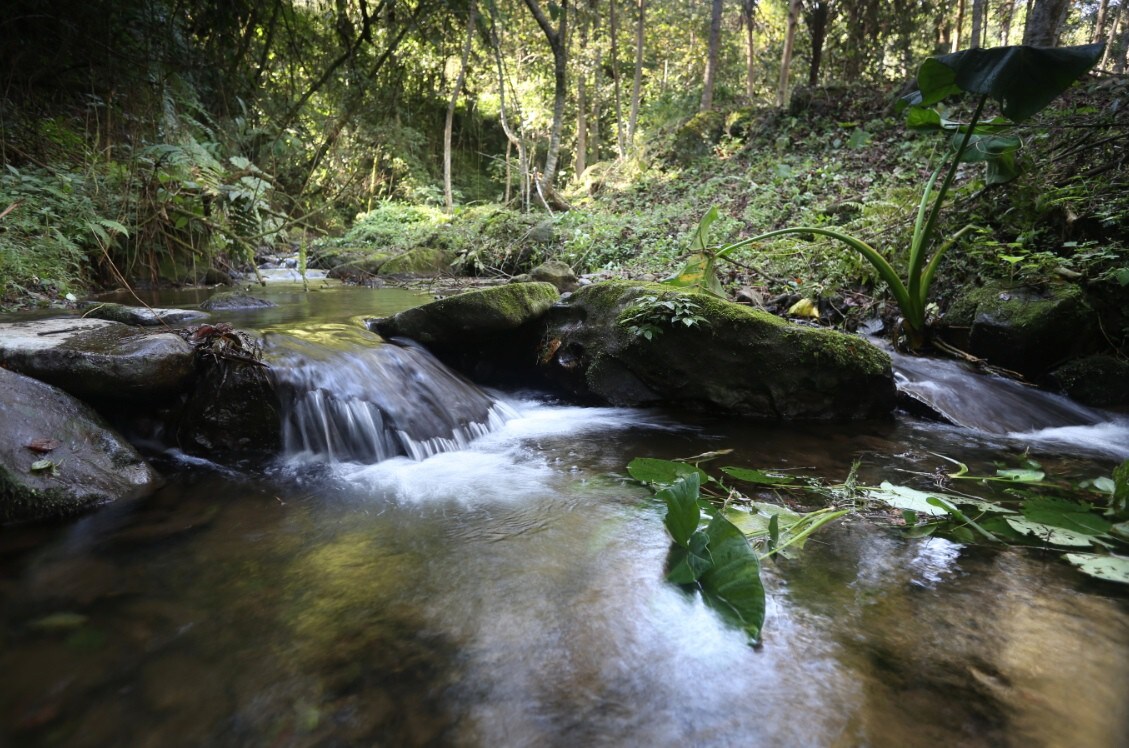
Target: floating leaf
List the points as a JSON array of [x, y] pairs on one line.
[[1110, 568], [904, 497], [1022, 475], [1065, 514], [1049, 534], [662, 472], [686, 565]]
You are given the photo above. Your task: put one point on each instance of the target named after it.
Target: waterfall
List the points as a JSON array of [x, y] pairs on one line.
[[372, 401]]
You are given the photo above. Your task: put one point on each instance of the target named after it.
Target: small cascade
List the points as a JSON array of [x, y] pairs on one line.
[[368, 403], [996, 405]]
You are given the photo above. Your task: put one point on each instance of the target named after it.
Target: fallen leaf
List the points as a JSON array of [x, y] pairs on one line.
[[42, 446]]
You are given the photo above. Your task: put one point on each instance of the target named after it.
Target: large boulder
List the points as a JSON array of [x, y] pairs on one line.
[[617, 341], [92, 358], [484, 332], [141, 316], [57, 456], [1026, 330]]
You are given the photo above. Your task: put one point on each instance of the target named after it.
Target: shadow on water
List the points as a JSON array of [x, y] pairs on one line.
[[509, 592]]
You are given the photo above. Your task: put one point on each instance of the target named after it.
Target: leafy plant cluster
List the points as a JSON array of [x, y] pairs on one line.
[[649, 315]]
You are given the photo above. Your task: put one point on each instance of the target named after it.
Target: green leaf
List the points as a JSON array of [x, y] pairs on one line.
[[682, 511], [1110, 568], [686, 565], [732, 586], [662, 472], [1023, 79], [40, 466], [759, 477], [904, 497], [1065, 514], [1021, 475], [1048, 534]]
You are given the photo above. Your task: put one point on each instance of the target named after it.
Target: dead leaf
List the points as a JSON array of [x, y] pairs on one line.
[[43, 446]]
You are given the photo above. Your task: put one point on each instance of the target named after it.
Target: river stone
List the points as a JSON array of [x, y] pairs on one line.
[[738, 360], [228, 300], [461, 320], [557, 273], [97, 358], [142, 316], [90, 463], [1100, 380], [1024, 329]]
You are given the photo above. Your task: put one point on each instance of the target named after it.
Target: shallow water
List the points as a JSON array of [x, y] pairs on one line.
[[511, 594]]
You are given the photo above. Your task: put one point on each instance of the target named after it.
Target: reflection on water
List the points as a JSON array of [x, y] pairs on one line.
[[511, 594]]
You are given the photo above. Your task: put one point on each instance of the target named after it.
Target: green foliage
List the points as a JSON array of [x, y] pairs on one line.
[[649, 315], [395, 226]]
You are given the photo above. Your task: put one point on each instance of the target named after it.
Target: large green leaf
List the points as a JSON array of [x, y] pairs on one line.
[[682, 511], [1023, 79], [732, 586], [1065, 514], [662, 472], [759, 477], [1110, 568], [686, 565]]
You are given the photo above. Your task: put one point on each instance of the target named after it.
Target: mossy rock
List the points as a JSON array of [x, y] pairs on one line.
[[418, 261], [697, 136], [229, 300], [1024, 329], [558, 273], [735, 360], [360, 269]]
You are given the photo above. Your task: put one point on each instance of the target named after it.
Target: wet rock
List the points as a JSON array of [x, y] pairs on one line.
[[99, 359], [142, 316], [418, 261], [87, 463], [477, 314], [1023, 329], [228, 300], [734, 359], [557, 273], [1101, 381]]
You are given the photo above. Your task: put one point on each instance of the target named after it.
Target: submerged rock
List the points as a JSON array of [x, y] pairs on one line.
[[731, 359], [142, 316], [228, 300], [97, 358], [57, 456]]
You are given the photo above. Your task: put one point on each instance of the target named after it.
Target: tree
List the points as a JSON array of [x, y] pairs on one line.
[[786, 56], [620, 135], [976, 35], [712, 57], [748, 22], [556, 38], [637, 79], [816, 16], [1044, 20], [448, 193]]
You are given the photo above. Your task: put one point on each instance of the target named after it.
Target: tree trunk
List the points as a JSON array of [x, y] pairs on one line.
[[556, 38], [816, 19], [637, 81], [748, 13], [448, 192], [1007, 15], [1097, 34], [511, 138], [1118, 48], [581, 160], [960, 25], [712, 57], [786, 57], [976, 35], [1044, 22], [620, 135]]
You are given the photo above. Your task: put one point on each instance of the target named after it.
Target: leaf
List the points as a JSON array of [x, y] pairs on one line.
[[686, 565], [1049, 534], [759, 477], [1023, 79], [1021, 475], [804, 308], [42, 446], [40, 466], [1111, 568], [662, 472], [682, 511], [1065, 514], [732, 586], [904, 497]]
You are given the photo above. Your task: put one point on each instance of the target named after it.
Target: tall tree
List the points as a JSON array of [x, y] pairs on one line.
[[637, 78], [620, 135], [786, 55], [1044, 21], [960, 25], [581, 157], [1097, 33], [748, 23], [1005, 16], [976, 34], [816, 16], [556, 38], [448, 192], [712, 57]]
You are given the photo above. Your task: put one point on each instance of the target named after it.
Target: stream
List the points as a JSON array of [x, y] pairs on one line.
[[399, 577]]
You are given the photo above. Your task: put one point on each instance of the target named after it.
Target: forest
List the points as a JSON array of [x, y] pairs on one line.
[[172, 141]]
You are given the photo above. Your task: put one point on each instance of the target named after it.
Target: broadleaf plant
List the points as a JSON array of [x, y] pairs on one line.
[[1022, 79]]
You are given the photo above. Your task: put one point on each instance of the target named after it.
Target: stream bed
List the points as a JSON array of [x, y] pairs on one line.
[[511, 593]]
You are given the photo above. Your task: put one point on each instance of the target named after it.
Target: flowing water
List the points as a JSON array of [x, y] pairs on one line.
[[489, 579]]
